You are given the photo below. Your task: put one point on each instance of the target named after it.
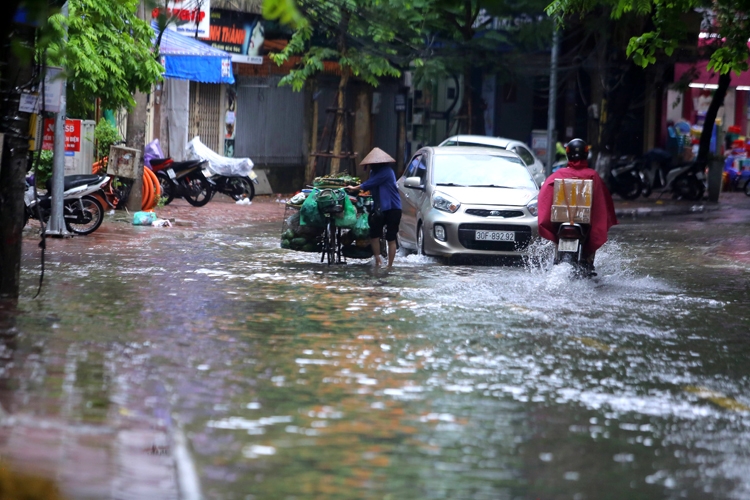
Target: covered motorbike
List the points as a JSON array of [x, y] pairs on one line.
[[231, 176]]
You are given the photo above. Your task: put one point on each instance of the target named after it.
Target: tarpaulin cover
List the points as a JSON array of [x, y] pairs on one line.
[[186, 58], [221, 165]]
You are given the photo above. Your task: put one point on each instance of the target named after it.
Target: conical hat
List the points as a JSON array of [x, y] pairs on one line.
[[377, 155]]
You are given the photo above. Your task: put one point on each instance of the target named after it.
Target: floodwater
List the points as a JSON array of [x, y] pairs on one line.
[[293, 380]]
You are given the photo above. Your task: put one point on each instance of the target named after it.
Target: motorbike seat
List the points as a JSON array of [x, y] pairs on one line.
[[179, 166], [74, 181], [158, 162]]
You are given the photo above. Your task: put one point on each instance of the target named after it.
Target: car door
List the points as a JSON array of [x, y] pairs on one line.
[[409, 203]]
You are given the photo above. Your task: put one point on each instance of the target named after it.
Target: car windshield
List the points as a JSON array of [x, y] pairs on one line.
[[481, 170]]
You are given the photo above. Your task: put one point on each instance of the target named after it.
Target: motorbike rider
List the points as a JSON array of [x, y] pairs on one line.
[[602, 208]]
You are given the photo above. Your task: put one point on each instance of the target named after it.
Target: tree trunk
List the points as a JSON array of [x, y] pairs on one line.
[[137, 119], [14, 127], [340, 121], [713, 110], [313, 160]]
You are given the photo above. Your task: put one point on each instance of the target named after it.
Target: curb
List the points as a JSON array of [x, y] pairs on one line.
[[655, 212]]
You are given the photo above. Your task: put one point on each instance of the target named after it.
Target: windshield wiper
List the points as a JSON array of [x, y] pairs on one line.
[[490, 186], [449, 184]]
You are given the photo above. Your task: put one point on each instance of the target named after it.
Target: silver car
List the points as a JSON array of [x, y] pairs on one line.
[[535, 166], [467, 201]]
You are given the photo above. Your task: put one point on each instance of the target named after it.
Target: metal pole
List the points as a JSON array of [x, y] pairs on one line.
[[56, 226], [552, 101]]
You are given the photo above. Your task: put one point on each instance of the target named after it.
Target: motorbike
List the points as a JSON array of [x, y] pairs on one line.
[[625, 178], [686, 181], [186, 179], [231, 176], [571, 238], [83, 213], [235, 186]]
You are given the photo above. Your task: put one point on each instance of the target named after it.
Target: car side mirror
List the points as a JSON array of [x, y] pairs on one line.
[[413, 183]]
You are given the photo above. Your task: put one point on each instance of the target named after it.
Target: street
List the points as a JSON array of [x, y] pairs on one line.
[[204, 361]]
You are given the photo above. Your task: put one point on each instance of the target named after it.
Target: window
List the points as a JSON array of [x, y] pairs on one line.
[[474, 169], [412, 168], [422, 170], [525, 155]]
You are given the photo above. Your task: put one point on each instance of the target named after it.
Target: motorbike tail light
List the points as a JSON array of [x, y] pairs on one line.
[[569, 232]]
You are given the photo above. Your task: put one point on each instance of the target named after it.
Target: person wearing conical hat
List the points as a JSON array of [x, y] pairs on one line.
[[386, 211]]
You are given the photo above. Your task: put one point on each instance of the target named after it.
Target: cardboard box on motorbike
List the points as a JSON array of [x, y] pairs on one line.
[[572, 200]]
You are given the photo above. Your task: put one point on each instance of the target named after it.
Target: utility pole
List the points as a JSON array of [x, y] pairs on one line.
[[56, 225], [552, 105]]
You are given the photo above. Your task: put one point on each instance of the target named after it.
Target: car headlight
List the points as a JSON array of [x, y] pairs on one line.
[[446, 203], [533, 207]]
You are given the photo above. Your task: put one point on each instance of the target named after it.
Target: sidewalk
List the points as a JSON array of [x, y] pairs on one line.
[[654, 206]]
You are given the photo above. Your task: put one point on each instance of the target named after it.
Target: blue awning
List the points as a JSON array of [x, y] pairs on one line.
[[186, 58]]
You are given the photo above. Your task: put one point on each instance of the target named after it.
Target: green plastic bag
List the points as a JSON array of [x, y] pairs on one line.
[[348, 218], [362, 228], [309, 214]]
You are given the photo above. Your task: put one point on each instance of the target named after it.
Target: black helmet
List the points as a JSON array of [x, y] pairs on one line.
[[576, 149]]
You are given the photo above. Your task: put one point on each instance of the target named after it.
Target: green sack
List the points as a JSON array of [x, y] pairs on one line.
[[309, 214], [348, 218], [362, 228]]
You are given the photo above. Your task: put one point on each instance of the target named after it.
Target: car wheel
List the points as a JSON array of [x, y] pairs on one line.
[[420, 240]]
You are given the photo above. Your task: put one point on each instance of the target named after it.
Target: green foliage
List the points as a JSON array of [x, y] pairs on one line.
[[729, 21], [43, 166], [109, 53], [105, 135]]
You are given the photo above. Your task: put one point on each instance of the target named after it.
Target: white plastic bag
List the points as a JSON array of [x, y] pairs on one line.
[[220, 165]]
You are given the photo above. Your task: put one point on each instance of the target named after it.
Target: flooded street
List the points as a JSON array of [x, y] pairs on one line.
[[290, 379]]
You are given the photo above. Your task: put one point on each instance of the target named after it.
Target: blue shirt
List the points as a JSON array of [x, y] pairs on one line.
[[382, 185]]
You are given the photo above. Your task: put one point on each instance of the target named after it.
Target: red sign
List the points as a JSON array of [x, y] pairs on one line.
[[72, 135]]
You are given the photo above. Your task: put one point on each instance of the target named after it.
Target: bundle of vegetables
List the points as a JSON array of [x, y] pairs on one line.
[[336, 180], [302, 243], [297, 237]]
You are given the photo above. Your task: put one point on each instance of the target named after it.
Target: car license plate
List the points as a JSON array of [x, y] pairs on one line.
[[171, 173], [495, 236], [567, 246]]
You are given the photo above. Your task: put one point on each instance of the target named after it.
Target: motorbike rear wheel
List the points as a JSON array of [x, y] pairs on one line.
[[167, 188], [747, 188], [198, 191], [83, 217], [239, 188], [629, 186]]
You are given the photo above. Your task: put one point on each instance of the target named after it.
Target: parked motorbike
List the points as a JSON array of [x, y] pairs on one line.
[[187, 179], [687, 181], [625, 178], [83, 213], [235, 186], [231, 176]]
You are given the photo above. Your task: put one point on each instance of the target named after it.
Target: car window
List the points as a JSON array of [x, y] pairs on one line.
[[412, 168], [422, 170], [525, 155], [473, 169]]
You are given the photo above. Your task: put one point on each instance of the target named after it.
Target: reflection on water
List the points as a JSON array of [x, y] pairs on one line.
[[299, 380]]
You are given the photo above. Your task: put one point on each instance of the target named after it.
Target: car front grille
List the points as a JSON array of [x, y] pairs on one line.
[[466, 234], [507, 214]]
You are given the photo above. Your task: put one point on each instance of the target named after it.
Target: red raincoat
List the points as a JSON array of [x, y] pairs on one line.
[[602, 208]]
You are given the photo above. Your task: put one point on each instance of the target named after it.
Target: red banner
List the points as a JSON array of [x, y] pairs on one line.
[[72, 135]]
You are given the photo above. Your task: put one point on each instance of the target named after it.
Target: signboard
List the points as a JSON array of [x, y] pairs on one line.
[[72, 135], [400, 102], [239, 33], [53, 86], [187, 16]]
